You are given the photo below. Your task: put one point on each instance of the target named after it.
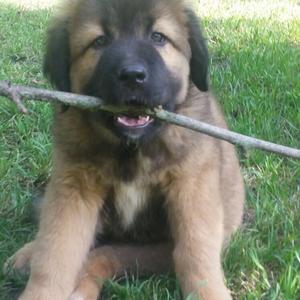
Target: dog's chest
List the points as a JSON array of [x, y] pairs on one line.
[[130, 199], [134, 212]]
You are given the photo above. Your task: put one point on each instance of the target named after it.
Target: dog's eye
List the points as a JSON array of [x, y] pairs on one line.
[[158, 37], [99, 42]]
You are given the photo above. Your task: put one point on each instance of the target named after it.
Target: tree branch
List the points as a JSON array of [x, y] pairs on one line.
[[17, 93]]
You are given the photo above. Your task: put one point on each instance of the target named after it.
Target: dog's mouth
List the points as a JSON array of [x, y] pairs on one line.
[[133, 122]]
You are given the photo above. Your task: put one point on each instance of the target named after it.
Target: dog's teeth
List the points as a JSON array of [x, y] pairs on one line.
[[144, 118], [134, 122]]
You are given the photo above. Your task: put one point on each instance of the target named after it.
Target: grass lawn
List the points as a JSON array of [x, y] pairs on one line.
[[255, 72]]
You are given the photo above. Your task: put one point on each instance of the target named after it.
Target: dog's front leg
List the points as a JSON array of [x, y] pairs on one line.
[[196, 219], [67, 228]]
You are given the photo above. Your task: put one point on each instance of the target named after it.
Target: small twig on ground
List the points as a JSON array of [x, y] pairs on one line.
[[16, 93]]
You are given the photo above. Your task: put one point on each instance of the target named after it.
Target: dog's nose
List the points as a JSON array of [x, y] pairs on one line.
[[133, 74]]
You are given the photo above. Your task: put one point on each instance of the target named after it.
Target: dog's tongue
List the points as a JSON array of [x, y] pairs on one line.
[[133, 122]]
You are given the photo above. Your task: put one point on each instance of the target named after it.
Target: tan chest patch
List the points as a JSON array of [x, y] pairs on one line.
[[130, 199]]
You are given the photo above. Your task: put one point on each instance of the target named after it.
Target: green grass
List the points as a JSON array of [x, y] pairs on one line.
[[255, 72]]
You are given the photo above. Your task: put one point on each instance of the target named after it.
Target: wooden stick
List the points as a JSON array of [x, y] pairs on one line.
[[17, 93]]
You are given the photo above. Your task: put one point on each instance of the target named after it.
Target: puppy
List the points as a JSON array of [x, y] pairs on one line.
[[128, 192]]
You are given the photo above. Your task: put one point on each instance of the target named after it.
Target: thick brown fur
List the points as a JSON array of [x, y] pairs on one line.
[[167, 203]]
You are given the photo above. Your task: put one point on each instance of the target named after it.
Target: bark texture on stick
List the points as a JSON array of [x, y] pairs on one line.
[[17, 93]]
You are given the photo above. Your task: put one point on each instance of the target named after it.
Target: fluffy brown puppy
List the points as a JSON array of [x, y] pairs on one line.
[[128, 192]]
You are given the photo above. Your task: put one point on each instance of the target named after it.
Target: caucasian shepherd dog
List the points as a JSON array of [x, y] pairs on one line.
[[129, 193]]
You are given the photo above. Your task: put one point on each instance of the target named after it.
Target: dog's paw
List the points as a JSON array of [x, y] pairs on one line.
[[78, 296], [87, 289], [20, 261], [36, 292]]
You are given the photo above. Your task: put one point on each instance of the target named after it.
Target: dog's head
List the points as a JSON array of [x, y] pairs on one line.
[[128, 52]]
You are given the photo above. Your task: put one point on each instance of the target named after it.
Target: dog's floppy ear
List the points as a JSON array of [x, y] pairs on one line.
[[199, 60], [57, 57]]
